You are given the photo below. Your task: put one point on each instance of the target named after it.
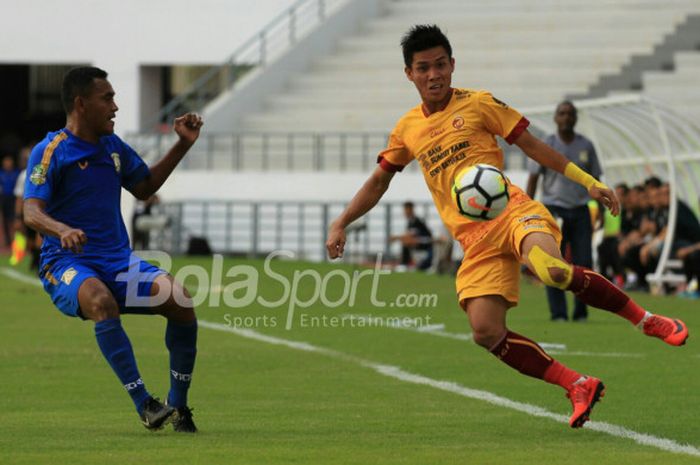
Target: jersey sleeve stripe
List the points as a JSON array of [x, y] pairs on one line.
[[519, 128], [388, 166], [48, 151]]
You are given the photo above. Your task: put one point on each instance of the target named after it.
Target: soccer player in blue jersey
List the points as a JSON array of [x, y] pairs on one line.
[[72, 197]]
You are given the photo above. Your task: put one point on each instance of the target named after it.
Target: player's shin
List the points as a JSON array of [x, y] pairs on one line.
[[116, 348], [526, 356], [181, 341], [593, 289]]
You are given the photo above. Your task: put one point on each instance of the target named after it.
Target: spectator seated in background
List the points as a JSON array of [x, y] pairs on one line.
[[647, 221], [644, 258], [690, 255], [417, 238]]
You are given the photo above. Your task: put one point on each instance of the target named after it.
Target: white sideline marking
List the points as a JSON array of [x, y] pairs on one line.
[[397, 373], [448, 386], [396, 323], [554, 348], [17, 276]]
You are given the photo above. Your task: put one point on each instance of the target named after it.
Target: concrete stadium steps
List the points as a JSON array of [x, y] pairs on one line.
[[679, 89], [381, 61], [500, 7], [395, 83], [573, 39], [526, 52]]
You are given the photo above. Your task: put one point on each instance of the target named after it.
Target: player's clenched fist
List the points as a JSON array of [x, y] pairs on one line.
[[187, 127], [336, 242], [73, 239]]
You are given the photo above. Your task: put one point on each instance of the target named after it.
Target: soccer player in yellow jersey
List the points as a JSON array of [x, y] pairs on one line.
[[456, 128]]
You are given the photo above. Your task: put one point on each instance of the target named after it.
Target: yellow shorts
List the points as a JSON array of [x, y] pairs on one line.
[[491, 264]]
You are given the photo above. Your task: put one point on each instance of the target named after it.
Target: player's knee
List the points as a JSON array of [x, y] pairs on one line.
[[487, 337], [182, 309], [558, 277], [100, 307], [550, 270]]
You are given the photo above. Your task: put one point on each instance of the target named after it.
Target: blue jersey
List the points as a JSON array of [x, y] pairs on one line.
[[81, 184]]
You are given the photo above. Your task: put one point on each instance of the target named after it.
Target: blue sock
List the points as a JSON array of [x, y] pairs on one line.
[[181, 341], [116, 348]]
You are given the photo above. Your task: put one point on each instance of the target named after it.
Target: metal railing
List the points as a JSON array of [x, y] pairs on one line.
[[288, 151], [255, 229], [275, 38]]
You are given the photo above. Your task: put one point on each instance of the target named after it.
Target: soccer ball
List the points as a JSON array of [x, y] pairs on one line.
[[481, 192]]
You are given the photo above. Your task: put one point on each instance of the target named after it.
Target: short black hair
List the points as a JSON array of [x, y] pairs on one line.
[[423, 37], [408, 204], [623, 186], [567, 102], [652, 181], [78, 81]]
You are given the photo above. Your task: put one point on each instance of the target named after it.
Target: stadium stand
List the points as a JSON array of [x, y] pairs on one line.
[[334, 112], [528, 53], [678, 88]]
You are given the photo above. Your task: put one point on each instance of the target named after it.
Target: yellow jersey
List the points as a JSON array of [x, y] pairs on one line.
[[445, 142]]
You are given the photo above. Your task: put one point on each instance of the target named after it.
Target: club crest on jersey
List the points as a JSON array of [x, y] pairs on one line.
[[68, 276], [117, 162], [38, 176], [458, 122]]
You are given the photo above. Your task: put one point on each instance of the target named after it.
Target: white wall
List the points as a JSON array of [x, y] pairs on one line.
[[296, 186], [121, 35]]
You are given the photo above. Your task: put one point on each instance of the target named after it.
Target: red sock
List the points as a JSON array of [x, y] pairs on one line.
[[522, 354], [632, 312], [561, 375], [593, 289]]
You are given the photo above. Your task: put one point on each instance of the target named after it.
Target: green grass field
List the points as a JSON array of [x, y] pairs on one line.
[[262, 401]]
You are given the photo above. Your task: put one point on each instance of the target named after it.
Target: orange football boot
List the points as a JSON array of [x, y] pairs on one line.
[[670, 330], [584, 393]]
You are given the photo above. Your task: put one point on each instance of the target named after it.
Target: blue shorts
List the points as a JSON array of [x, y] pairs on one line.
[[127, 277]]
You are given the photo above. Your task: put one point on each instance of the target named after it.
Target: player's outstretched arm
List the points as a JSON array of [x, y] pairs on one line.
[[187, 128], [36, 218], [550, 158], [367, 197]]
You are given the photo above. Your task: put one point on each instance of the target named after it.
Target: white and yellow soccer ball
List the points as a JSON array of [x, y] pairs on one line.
[[480, 192]]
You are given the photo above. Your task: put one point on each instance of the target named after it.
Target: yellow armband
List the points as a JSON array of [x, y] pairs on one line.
[[579, 176]]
